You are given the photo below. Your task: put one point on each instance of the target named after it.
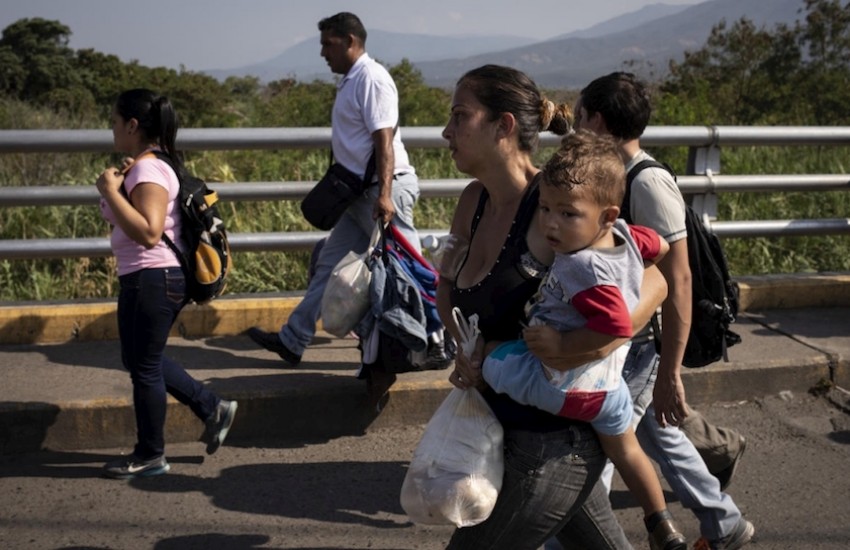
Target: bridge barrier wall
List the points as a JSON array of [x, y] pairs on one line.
[[56, 322]]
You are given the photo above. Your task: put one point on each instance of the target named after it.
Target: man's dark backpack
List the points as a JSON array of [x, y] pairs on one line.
[[715, 295], [207, 261]]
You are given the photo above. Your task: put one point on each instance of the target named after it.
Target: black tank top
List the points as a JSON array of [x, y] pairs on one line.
[[499, 300]]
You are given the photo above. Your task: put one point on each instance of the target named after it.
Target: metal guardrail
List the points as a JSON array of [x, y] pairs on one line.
[[220, 139], [702, 182], [295, 190]]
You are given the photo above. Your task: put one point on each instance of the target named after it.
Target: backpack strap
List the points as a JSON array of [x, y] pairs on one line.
[[626, 214], [625, 208], [181, 256]]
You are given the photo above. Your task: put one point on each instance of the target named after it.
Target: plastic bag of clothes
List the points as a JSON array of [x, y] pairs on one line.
[[346, 297], [456, 471]]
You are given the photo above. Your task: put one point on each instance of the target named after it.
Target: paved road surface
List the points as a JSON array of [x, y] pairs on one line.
[[342, 493]]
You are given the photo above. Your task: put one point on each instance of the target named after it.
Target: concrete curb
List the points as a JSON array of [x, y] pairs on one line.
[[86, 321], [340, 408], [62, 322], [790, 291]]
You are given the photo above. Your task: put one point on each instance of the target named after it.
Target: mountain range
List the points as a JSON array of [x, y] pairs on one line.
[[644, 41]]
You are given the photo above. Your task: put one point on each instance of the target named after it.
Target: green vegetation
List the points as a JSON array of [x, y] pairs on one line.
[[742, 76], [783, 76]]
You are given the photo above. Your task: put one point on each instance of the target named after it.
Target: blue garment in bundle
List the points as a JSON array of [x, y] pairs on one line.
[[420, 271]]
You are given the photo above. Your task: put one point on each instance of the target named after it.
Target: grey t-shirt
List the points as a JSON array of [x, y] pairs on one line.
[[657, 203]]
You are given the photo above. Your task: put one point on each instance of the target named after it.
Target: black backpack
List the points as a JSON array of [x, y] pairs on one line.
[[715, 295], [207, 261]]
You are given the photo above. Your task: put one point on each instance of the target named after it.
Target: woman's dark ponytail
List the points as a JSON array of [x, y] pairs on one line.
[[167, 125], [156, 117]]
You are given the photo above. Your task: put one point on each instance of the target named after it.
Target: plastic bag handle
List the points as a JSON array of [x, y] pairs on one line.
[[377, 242], [469, 331], [383, 228], [377, 235]]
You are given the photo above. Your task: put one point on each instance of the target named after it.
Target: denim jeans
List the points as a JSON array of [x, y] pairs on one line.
[[148, 304], [550, 487], [678, 459], [351, 233]]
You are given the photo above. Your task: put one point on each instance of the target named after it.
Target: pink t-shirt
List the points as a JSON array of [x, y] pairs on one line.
[[131, 255]]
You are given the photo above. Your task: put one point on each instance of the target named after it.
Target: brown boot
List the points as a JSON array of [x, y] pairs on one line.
[[663, 534]]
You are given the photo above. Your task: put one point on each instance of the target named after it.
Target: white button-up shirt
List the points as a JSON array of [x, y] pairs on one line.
[[366, 101]]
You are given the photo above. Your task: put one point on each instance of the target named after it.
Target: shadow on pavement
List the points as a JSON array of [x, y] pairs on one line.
[[24, 425], [333, 492], [213, 540], [67, 465]]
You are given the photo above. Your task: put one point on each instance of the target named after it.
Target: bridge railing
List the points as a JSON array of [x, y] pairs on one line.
[[701, 183]]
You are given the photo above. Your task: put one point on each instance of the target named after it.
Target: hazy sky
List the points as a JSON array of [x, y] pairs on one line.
[[212, 34]]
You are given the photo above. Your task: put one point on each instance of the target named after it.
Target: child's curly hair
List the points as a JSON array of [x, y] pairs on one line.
[[590, 164]]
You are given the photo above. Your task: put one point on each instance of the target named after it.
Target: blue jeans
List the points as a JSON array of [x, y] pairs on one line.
[[351, 233], [680, 463], [148, 304], [550, 487]]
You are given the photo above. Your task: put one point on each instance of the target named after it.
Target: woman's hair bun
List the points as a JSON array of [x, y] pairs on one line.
[[547, 112], [560, 122]]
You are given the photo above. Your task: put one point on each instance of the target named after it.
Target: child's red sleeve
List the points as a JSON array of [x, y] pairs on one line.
[[647, 241], [605, 310]]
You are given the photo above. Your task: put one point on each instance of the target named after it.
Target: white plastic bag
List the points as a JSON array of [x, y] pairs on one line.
[[346, 297], [469, 331], [456, 471]]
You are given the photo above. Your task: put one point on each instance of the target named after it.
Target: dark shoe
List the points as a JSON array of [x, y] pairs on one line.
[[725, 476], [663, 534], [218, 424], [271, 341], [132, 466], [742, 535], [378, 388], [437, 358]]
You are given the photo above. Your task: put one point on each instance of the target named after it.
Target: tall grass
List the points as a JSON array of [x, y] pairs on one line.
[[786, 254], [278, 271]]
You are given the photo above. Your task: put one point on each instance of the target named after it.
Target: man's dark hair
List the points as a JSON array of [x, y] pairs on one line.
[[344, 24], [622, 100]]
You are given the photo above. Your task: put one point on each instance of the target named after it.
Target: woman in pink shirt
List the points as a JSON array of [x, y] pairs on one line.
[[140, 202]]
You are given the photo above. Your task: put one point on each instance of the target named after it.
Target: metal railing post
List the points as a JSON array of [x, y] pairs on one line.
[[705, 161]]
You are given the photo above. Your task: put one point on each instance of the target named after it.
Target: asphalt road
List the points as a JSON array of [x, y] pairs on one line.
[[794, 485]]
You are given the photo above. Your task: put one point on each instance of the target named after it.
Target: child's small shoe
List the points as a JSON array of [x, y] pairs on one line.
[[663, 533]]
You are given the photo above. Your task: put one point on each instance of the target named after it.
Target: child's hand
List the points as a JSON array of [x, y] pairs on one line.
[[544, 342]]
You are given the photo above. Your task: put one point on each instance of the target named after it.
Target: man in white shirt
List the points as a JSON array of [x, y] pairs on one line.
[[364, 119]]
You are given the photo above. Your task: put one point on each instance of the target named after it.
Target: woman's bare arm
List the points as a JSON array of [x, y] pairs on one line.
[[142, 215]]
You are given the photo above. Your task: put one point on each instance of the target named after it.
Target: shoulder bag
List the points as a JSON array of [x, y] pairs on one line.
[[339, 187]]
